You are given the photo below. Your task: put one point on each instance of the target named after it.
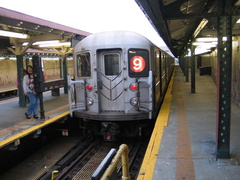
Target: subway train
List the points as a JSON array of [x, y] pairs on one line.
[[119, 82]]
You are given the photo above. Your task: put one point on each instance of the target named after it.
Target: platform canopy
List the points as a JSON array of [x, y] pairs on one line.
[[32, 31], [179, 21]]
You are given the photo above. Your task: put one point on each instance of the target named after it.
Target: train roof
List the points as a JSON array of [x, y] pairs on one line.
[[113, 39]]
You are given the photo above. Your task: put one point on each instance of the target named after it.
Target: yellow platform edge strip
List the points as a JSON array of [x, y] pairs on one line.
[[32, 129], [7, 90], [150, 158]]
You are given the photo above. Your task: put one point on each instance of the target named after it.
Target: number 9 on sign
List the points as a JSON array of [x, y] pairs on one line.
[[137, 64]]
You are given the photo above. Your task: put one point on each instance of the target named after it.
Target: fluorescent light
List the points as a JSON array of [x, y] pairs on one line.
[[206, 39], [55, 44], [51, 58], [46, 42], [13, 34], [201, 51], [200, 27], [204, 48], [205, 43], [42, 42]]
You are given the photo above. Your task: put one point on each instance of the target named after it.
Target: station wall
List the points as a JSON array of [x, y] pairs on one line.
[[211, 60], [8, 70]]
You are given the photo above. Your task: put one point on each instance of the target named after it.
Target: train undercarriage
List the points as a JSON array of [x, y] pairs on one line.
[[112, 130]]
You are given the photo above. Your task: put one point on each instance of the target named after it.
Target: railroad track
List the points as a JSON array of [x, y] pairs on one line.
[[83, 160], [7, 94]]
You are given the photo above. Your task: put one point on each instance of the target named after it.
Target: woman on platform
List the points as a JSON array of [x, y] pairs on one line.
[[28, 89]]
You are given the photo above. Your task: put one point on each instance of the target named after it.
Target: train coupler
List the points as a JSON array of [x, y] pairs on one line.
[[109, 131]]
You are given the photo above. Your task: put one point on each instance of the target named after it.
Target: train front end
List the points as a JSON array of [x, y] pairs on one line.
[[112, 89]]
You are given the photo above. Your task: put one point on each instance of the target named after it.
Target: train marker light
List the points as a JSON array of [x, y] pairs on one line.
[[89, 87], [133, 86], [108, 137]]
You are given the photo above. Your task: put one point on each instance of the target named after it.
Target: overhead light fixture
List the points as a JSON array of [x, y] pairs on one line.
[[209, 39], [214, 43], [46, 42], [42, 42], [55, 44], [200, 27], [201, 51], [204, 44], [237, 3], [13, 34], [204, 47]]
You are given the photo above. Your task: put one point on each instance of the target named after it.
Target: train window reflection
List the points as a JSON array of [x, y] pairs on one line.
[[111, 63], [83, 65]]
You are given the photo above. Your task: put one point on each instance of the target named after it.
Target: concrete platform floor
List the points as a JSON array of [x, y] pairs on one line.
[[188, 145], [13, 123]]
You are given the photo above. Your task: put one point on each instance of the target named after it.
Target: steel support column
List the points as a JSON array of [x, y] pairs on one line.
[[20, 74], [27, 62], [184, 66], [65, 72], [193, 82], [224, 79], [181, 63], [186, 69], [61, 68]]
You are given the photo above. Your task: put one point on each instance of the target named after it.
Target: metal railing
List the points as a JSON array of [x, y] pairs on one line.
[[122, 153], [73, 105]]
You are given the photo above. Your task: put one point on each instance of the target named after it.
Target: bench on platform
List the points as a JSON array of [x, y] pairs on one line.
[[54, 86], [205, 70]]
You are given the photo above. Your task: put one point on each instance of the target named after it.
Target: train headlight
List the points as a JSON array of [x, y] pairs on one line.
[[134, 101], [133, 86], [89, 101]]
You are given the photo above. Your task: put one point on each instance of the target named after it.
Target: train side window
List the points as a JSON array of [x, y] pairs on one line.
[[138, 63], [83, 65], [111, 64]]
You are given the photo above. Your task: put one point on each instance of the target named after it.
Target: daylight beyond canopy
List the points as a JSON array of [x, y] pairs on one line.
[[91, 15]]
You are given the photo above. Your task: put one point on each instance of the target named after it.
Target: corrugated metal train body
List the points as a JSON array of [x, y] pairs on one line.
[[119, 76]]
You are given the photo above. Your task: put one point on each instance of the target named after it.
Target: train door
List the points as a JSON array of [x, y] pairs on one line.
[[110, 81]]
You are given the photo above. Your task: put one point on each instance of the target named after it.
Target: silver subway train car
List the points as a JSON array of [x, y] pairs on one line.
[[120, 79]]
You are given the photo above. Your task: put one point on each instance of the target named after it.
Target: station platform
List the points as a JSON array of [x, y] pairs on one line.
[[183, 143], [14, 125]]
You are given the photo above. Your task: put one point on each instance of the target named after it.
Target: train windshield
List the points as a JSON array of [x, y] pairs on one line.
[[83, 65], [112, 64]]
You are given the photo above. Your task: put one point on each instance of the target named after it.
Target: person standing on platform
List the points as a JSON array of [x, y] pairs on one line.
[[28, 89]]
